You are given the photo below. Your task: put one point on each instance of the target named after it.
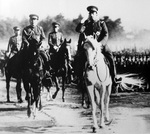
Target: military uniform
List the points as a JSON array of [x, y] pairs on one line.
[[55, 40], [99, 30], [14, 44], [34, 34]]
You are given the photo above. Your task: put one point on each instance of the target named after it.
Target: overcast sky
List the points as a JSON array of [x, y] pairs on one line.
[[133, 13]]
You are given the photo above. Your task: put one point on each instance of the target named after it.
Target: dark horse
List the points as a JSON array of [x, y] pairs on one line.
[[33, 74], [79, 64], [13, 70], [60, 67]]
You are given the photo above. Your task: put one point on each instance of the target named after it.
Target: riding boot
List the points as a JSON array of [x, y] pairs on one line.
[[48, 69], [115, 80], [70, 66], [108, 54]]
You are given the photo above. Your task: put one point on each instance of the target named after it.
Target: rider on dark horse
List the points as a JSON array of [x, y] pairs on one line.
[[14, 43], [32, 37], [55, 40], [98, 29]]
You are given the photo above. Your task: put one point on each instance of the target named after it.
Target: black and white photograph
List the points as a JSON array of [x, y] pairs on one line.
[[74, 66]]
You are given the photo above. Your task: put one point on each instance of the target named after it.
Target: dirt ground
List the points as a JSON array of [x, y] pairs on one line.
[[130, 113]]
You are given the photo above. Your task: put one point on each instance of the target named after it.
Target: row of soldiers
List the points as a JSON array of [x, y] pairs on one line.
[[133, 63]]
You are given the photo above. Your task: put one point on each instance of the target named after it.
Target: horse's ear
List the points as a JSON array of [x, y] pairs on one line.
[[69, 41], [65, 40]]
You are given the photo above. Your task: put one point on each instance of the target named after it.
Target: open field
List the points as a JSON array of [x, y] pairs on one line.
[[130, 113]]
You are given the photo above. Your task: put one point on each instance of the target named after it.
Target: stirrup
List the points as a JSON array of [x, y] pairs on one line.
[[90, 67]]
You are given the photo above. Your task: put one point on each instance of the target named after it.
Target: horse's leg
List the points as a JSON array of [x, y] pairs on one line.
[[63, 88], [28, 95], [19, 90], [8, 86], [94, 106], [38, 98], [101, 105], [84, 92], [107, 100], [57, 87], [49, 94], [26, 87]]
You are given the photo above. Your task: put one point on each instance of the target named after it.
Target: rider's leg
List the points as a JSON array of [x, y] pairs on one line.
[[69, 57], [45, 59], [109, 56]]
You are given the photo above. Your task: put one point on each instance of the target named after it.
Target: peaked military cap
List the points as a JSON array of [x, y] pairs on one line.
[[16, 28], [55, 24], [34, 16], [92, 8]]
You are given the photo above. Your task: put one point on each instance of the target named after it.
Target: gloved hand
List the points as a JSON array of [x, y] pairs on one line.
[[83, 19]]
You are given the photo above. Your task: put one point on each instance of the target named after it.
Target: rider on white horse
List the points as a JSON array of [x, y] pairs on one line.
[[98, 29]]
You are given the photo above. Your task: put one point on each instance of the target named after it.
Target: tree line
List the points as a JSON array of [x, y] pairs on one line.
[[67, 26]]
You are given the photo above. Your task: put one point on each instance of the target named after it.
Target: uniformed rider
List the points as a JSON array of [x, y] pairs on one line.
[[55, 40], [92, 26], [14, 43], [34, 32]]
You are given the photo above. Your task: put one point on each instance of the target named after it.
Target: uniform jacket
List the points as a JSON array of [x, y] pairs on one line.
[[29, 33], [55, 39], [91, 28], [14, 44]]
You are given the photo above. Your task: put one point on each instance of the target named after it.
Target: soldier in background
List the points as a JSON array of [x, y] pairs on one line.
[[55, 40], [14, 43]]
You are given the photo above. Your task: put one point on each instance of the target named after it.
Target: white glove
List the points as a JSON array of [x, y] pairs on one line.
[[97, 33], [83, 19], [55, 47]]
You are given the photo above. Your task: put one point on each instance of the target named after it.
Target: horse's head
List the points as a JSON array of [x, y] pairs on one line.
[[34, 44], [59, 59], [92, 49], [65, 44]]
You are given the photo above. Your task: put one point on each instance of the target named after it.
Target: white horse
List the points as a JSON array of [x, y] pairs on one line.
[[98, 82]]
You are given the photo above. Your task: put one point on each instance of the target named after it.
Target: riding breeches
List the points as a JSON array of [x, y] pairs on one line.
[[68, 53], [109, 56]]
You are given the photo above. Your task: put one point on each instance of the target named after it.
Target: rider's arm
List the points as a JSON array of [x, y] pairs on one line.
[[80, 28], [61, 38], [9, 46], [50, 40], [42, 36], [102, 36], [80, 41], [24, 38]]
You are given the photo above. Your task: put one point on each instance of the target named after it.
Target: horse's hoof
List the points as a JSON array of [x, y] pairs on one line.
[[53, 96], [94, 129], [108, 122], [63, 99], [40, 107], [20, 101], [102, 126], [26, 98], [29, 113], [8, 101]]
